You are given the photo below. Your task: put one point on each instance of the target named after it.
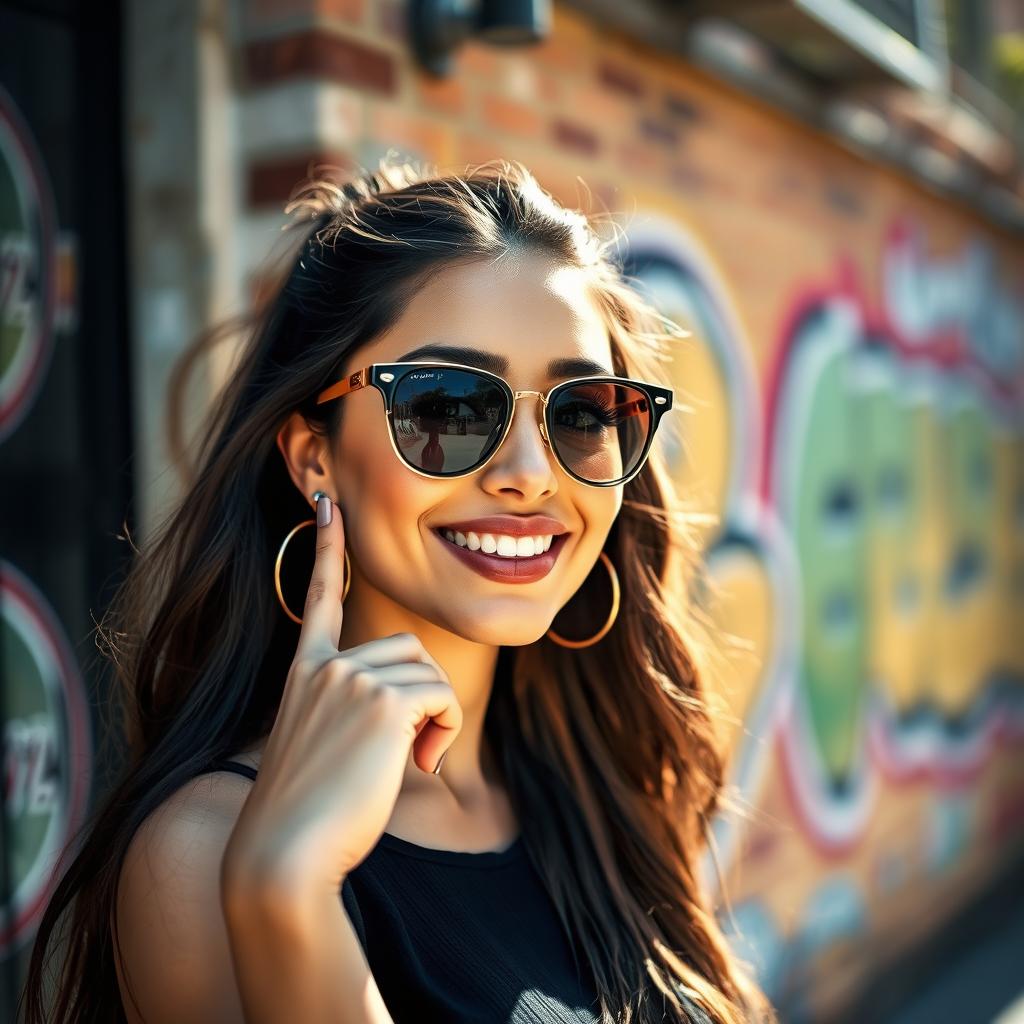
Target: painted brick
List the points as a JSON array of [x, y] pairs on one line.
[[505, 115], [574, 136], [300, 115], [320, 54], [270, 182]]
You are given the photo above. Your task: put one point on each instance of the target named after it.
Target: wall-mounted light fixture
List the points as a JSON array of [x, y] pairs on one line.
[[438, 27]]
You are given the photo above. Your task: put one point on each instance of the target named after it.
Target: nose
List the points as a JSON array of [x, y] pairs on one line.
[[523, 462]]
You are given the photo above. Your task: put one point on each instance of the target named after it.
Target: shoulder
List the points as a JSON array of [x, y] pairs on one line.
[[173, 941]]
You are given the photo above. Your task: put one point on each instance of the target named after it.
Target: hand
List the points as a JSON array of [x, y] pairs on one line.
[[334, 761]]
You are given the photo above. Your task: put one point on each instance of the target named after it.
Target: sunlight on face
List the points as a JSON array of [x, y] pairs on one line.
[[530, 311]]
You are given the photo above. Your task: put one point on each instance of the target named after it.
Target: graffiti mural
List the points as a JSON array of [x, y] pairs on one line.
[[866, 485]]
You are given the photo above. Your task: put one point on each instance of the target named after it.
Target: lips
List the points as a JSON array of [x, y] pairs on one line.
[[528, 569], [514, 526]]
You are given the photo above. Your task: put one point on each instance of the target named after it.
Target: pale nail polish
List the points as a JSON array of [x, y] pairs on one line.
[[323, 510]]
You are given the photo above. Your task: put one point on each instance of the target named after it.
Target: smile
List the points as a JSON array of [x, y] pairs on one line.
[[509, 567]]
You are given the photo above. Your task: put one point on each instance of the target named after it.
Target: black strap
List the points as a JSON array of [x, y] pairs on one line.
[[234, 766]]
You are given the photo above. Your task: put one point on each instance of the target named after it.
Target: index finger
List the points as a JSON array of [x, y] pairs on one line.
[[322, 614]]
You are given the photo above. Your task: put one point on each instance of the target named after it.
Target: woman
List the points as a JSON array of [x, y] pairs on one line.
[[283, 755]]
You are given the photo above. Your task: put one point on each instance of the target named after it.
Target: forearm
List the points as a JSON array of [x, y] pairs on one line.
[[299, 959]]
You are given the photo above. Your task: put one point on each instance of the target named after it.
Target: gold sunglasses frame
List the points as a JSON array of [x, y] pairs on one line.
[[385, 377]]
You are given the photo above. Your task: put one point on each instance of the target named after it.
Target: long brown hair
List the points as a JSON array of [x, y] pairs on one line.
[[608, 752]]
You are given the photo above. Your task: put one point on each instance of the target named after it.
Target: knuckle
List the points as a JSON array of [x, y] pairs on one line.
[[383, 703], [323, 545], [317, 591], [338, 669], [385, 697], [329, 674], [362, 677]]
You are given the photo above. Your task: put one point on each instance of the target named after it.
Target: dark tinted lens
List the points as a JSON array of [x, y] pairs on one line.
[[447, 421], [600, 430]]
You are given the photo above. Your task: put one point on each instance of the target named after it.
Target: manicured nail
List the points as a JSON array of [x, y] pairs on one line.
[[440, 761], [323, 510]]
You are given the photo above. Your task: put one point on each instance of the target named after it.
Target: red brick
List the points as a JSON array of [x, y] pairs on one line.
[[264, 11], [270, 182], [418, 136], [391, 20], [319, 53], [477, 59], [640, 159], [658, 131], [475, 148], [621, 79], [560, 181], [549, 85], [509, 116], [445, 95], [682, 107], [597, 107], [575, 137], [688, 177], [560, 54]]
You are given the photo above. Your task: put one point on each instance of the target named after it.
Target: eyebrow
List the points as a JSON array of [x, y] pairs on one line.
[[573, 367]]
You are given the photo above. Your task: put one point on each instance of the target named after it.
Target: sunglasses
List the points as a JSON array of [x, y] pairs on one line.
[[446, 420]]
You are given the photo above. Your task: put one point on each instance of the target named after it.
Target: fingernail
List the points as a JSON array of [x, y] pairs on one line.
[[440, 762], [323, 510]]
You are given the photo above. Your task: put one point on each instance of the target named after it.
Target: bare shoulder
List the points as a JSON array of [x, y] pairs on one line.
[[173, 940]]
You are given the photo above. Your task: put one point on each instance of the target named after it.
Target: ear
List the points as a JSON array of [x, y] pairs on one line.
[[305, 455]]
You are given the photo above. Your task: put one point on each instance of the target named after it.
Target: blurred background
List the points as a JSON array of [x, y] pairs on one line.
[[828, 193]]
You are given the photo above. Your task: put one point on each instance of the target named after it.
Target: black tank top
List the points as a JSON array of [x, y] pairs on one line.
[[462, 938]]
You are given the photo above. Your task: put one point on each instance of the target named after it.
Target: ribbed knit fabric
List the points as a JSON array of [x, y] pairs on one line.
[[462, 938]]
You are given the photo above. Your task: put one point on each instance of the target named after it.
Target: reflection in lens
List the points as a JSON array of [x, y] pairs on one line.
[[599, 430], [446, 421]]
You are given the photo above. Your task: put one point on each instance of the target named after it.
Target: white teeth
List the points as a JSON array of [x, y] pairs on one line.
[[502, 545]]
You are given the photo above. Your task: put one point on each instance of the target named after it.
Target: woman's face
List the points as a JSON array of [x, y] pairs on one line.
[[528, 311]]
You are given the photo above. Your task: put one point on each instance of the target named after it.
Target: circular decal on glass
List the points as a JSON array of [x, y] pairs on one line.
[[28, 267], [47, 751]]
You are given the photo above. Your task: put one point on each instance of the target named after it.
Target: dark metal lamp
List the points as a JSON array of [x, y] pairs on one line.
[[438, 27]]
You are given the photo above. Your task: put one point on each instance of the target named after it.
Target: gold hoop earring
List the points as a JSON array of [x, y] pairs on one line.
[[576, 644], [277, 571]]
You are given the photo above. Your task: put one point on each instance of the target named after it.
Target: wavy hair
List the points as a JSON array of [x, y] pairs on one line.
[[609, 753]]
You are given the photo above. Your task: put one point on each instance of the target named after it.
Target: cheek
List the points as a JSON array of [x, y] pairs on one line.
[[382, 502], [599, 507]]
